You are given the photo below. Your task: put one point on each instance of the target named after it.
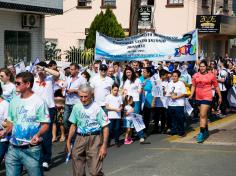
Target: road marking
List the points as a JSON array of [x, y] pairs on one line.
[[212, 125], [192, 150]]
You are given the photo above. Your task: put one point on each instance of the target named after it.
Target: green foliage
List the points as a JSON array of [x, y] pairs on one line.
[[107, 24], [87, 56], [79, 56]]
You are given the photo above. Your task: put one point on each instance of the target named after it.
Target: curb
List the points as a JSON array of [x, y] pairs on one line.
[[213, 125]]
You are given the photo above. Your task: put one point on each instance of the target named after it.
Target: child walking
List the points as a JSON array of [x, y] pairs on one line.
[[114, 106], [128, 123]]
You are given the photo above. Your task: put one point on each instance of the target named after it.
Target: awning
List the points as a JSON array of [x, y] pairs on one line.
[[31, 8]]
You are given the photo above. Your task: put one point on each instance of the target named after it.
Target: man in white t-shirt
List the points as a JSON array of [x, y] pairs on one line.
[[102, 86], [71, 87], [44, 88]]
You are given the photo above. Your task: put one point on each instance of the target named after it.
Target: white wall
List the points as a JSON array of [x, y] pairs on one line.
[[175, 20], [70, 26], [58, 4], [12, 21]]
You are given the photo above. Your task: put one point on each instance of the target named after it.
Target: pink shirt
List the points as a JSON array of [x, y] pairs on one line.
[[204, 84]]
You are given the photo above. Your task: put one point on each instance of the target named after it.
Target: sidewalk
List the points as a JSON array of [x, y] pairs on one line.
[[222, 132]]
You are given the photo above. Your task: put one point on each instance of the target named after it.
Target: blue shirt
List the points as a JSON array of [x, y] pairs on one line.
[[147, 88]]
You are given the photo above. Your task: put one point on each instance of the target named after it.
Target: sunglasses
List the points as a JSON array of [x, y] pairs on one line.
[[103, 70], [18, 83]]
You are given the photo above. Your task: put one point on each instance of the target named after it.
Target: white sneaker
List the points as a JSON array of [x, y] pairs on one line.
[[141, 140], [45, 165]]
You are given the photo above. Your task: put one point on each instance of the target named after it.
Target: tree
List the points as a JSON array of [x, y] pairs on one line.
[[107, 24]]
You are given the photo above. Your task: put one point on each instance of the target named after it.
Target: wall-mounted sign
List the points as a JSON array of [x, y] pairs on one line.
[[144, 15], [208, 23]]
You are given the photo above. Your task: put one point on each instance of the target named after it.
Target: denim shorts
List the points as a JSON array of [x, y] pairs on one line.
[[200, 102], [128, 123]]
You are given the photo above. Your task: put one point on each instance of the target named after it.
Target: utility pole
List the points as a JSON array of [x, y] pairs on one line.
[[212, 6], [133, 23]]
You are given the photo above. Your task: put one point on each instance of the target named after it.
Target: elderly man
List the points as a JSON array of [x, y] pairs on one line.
[[91, 125], [110, 72]]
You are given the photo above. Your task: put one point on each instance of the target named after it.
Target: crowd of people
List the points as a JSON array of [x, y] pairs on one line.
[[89, 107]]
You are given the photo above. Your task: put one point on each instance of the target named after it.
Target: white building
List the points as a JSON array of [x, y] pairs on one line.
[[169, 17], [176, 17], [70, 28], [22, 25]]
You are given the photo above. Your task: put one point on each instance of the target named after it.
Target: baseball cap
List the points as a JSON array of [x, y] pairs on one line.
[[103, 67]]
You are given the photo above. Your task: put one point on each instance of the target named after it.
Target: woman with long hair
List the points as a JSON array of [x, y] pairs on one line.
[[202, 83], [132, 86], [8, 87]]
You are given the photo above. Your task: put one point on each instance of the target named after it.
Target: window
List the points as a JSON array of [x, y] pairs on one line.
[[84, 4], [109, 3], [81, 43], [17, 47], [150, 2], [175, 2], [205, 3]]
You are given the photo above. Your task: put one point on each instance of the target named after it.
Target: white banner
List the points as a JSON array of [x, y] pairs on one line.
[[147, 46], [157, 89], [188, 107], [138, 122]]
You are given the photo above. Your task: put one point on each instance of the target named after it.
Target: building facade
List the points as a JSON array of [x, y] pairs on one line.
[[168, 17], [176, 17], [70, 29], [22, 25]]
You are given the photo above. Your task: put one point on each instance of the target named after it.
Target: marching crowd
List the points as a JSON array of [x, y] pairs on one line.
[[88, 107]]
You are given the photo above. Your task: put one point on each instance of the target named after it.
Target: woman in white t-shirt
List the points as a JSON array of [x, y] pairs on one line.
[[176, 91], [9, 89], [114, 106], [132, 87], [3, 116]]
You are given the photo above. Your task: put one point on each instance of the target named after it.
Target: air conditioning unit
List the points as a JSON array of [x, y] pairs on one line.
[[30, 20]]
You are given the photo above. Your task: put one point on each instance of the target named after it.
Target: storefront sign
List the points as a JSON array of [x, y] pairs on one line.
[[144, 15], [208, 23]]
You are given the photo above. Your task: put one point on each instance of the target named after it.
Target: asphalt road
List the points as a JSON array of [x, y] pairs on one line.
[[166, 156], [161, 158]]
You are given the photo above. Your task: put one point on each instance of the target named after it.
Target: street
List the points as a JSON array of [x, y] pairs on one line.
[[167, 156]]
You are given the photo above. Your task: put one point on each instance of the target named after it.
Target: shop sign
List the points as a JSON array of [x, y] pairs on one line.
[[208, 23], [144, 15]]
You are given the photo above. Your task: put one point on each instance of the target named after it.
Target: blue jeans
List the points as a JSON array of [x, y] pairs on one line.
[[177, 119], [29, 158], [47, 139], [114, 128], [66, 116], [137, 107], [3, 149]]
